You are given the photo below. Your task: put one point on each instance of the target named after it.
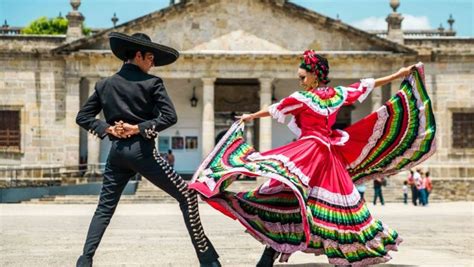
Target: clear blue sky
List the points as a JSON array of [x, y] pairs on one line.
[[365, 14]]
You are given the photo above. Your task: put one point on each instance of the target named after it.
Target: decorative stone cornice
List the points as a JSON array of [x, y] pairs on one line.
[[289, 8]]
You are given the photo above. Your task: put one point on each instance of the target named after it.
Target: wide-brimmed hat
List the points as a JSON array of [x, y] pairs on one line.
[[121, 43]]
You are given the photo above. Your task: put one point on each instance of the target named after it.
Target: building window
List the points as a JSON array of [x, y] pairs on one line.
[[463, 130], [10, 129]]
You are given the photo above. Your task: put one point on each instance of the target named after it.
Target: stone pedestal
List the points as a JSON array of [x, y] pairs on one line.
[[75, 20], [394, 23]]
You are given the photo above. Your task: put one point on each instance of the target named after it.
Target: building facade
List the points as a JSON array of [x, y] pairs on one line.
[[236, 56]]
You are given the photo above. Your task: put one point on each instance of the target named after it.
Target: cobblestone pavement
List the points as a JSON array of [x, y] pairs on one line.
[[153, 235]]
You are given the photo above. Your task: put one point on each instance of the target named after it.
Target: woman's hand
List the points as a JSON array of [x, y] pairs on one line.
[[405, 71], [245, 117]]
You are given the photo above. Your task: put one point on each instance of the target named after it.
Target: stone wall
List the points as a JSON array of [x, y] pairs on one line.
[[451, 86], [29, 43], [447, 45], [461, 189], [34, 85], [251, 43]]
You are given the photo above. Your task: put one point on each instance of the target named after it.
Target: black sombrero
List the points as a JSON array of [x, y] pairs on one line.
[[121, 43]]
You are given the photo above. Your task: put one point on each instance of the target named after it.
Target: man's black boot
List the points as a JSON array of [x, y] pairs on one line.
[[215, 263], [84, 261], [268, 257]]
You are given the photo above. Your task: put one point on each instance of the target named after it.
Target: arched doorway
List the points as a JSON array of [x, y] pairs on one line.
[[234, 97]]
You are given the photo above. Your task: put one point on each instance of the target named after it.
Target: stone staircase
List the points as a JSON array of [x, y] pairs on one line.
[[148, 193], [393, 191]]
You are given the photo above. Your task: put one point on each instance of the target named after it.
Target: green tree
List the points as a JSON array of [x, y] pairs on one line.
[[44, 25]]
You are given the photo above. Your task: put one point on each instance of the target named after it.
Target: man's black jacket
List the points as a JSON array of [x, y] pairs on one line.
[[132, 96]]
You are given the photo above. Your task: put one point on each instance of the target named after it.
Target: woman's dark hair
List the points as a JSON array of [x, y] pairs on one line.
[[316, 64]]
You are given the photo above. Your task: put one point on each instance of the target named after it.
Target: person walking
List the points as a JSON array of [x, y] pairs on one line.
[[414, 191], [378, 183], [170, 158], [420, 186], [428, 186], [361, 189], [405, 192]]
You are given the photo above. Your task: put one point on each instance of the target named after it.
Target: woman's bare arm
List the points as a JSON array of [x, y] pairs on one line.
[[259, 114], [399, 74]]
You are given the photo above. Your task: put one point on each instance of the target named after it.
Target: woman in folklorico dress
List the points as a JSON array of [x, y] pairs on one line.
[[310, 202]]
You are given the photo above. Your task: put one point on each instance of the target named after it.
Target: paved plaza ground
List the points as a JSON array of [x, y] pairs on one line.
[[153, 235]]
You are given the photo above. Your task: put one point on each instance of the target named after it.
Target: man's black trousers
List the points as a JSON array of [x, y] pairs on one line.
[[137, 155]]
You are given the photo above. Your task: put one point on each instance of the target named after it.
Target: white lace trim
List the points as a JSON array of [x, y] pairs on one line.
[[286, 162], [421, 128], [377, 132], [294, 127], [275, 113], [344, 138], [335, 198], [209, 157], [316, 192], [279, 115], [267, 190], [369, 84], [316, 108], [391, 168], [347, 248]]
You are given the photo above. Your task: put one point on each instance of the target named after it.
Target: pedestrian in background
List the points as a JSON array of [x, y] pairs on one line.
[[361, 189], [378, 182], [428, 185], [405, 192], [420, 186], [170, 158], [414, 190]]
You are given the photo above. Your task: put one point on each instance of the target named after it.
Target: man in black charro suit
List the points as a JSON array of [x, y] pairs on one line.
[[136, 107]]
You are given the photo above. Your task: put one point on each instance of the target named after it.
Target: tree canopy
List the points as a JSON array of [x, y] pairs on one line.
[[44, 25]]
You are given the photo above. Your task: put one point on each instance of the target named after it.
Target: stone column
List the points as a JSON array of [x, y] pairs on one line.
[[71, 129], [265, 134], [208, 131], [376, 97], [93, 142], [394, 87]]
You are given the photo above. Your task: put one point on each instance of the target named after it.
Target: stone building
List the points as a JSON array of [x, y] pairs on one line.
[[236, 56]]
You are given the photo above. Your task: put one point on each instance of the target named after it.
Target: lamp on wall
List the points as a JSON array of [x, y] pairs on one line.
[[193, 99], [274, 99]]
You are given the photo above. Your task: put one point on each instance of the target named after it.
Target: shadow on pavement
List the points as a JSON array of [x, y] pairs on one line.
[[330, 265]]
